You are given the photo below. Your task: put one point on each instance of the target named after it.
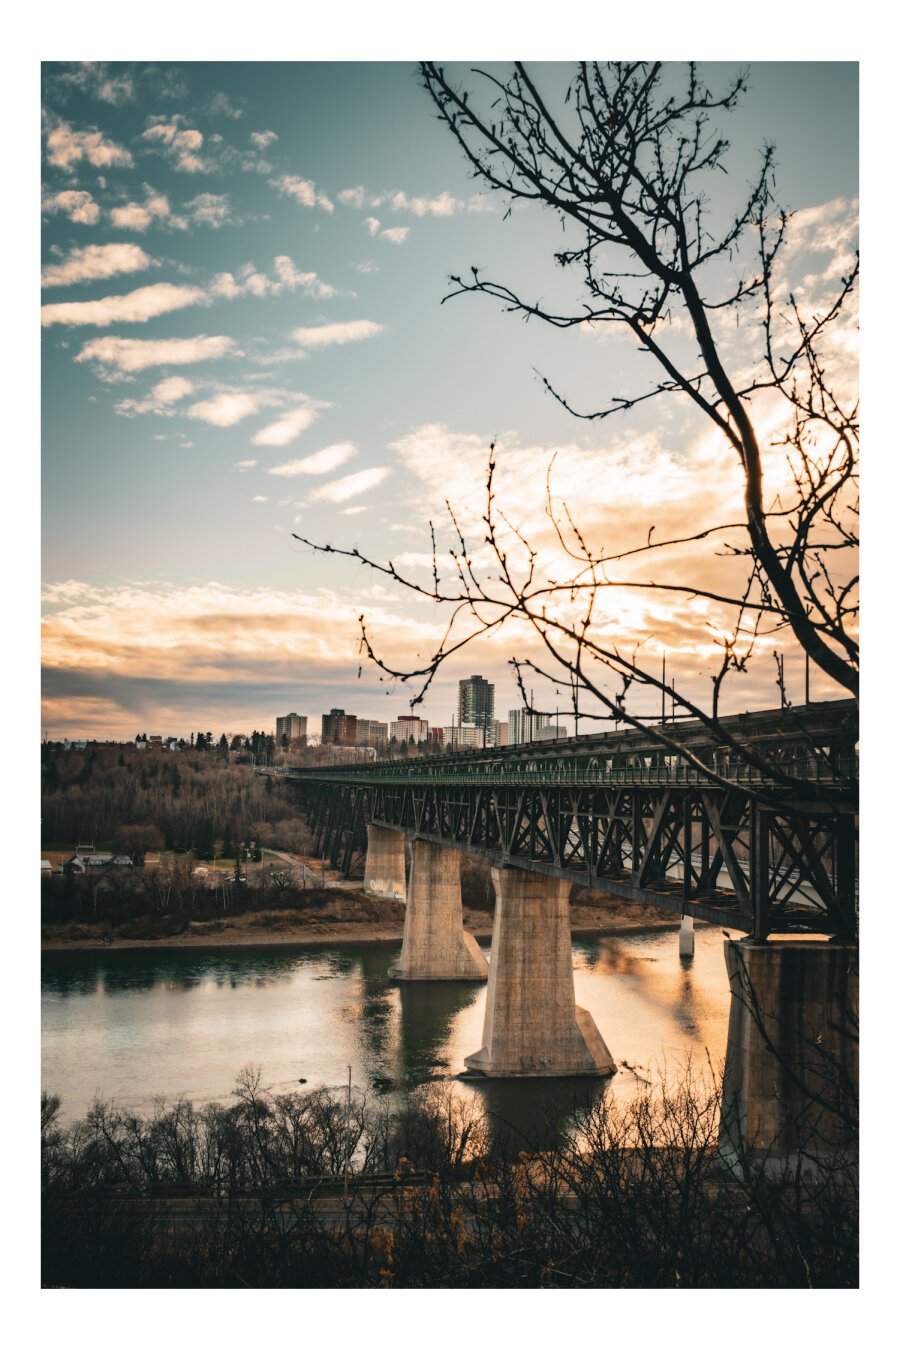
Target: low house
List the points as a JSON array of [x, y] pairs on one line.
[[80, 863]]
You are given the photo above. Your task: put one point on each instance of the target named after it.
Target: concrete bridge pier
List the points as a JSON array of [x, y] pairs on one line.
[[435, 944], [385, 863], [686, 936], [791, 1087], [532, 1027]]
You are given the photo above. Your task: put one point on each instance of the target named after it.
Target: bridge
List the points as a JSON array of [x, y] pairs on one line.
[[751, 825]]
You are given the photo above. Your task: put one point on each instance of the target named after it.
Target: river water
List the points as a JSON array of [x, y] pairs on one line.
[[132, 1026]]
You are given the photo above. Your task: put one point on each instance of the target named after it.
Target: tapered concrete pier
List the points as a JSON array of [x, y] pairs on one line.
[[385, 863], [435, 944], [686, 936], [532, 1028], [791, 1085]]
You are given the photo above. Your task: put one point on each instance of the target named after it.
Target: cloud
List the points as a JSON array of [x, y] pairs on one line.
[[263, 139], [288, 427], [94, 263], [140, 216], [95, 79], [77, 204], [160, 399], [220, 105], [181, 144], [337, 334], [301, 190], [367, 265], [352, 486], [148, 302], [210, 209], [128, 355], [323, 461], [171, 656], [259, 499], [244, 464], [285, 277], [226, 409], [444, 204], [440, 204], [67, 147], [397, 235]]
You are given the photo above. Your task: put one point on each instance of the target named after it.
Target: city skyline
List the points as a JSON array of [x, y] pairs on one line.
[[244, 338]]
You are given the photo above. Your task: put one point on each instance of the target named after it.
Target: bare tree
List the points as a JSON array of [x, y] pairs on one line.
[[626, 163]]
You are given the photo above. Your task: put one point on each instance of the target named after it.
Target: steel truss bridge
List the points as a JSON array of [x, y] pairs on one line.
[[761, 838]]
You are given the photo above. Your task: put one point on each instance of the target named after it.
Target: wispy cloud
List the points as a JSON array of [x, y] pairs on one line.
[[439, 204], [263, 139], [160, 400], [96, 262], [75, 203], [148, 302], [210, 209], [66, 147], [397, 234], [127, 355], [337, 334], [226, 409], [220, 104], [287, 427], [342, 489], [141, 215], [181, 144], [323, 461], [244, 464], [285, 277], [301, 190]]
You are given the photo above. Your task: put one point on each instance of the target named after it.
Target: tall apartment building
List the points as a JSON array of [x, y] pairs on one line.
[[409, 728], [525, 725], [476, 703], [467, 736], [338, 727], [292, 726], [371, 732]]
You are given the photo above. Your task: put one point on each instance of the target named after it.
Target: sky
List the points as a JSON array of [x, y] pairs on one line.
[[243, 337]]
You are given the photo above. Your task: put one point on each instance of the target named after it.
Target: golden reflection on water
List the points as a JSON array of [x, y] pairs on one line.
[[133, 1026]]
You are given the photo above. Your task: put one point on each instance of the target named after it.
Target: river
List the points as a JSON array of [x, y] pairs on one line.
[[132, 1026]]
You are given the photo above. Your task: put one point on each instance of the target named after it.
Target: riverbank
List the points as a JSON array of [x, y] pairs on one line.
[[348, 917]]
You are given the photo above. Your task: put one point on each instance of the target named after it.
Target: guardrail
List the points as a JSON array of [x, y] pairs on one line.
[[840, 772]]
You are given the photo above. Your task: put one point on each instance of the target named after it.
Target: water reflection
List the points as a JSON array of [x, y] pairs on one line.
[[427, 1014], [534, 1114], [133, 1025]]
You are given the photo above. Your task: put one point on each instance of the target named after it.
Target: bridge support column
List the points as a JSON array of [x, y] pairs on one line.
[[791, 1086], [686, 936], [385, 863], [532, 1027], [435, 945]]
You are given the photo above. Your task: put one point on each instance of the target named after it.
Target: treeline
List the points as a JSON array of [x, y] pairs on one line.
[[140, 800], [250, 1194]]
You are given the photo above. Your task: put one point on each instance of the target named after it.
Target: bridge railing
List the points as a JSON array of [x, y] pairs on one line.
[[837, 771]]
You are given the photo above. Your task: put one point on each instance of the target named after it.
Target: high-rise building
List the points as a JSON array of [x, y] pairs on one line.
[[524, 725], [292, 727], [476, 704], [409, 728], [467, 736], [371, 732], [338, 727]]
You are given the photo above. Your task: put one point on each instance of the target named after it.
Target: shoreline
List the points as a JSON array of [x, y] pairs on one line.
[[318, 936]]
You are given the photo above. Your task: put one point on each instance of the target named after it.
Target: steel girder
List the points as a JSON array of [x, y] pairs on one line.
[[712, 852]]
